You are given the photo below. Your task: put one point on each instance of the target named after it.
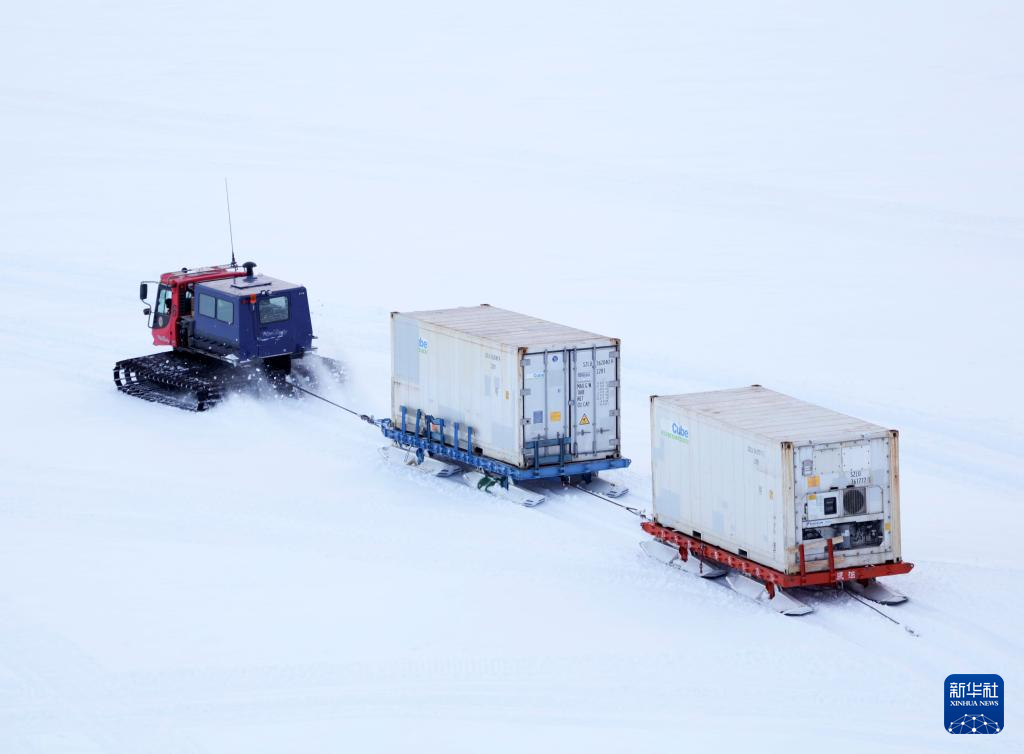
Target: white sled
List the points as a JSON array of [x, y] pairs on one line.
[[492, 486], [782, 601], [748, 587], [670, 556], [877, 592], [603, 487], [432, 466]]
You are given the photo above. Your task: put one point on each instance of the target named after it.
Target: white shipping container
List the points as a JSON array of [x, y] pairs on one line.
[[512, 378], [759, 473]]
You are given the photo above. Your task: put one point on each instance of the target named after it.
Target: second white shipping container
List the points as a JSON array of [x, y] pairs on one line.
[[760, 474]]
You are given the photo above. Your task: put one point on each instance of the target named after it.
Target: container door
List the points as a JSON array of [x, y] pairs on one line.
[[595, 409], [545, 402], [843, 490]]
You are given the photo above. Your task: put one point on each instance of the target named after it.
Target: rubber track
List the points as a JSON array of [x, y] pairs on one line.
[[187, 381]]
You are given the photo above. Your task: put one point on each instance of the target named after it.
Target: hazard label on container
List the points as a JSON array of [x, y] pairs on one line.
[[584, 420]]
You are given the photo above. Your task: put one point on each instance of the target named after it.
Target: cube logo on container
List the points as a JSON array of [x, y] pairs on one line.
[[974, 703], [674, 431]]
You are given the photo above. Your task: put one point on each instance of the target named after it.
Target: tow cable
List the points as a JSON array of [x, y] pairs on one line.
[[368, 418], [634, 511], [888, 617], [365, 417]]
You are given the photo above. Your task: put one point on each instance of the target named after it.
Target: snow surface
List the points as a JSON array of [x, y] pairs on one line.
[[821, 198]]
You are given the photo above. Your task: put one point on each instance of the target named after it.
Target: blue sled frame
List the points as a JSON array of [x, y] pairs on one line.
[[428, 440]]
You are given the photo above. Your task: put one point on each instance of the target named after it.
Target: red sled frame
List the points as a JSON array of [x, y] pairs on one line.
[[769, 576]]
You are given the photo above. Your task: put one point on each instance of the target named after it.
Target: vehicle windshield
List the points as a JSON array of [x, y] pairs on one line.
[[162, 312]]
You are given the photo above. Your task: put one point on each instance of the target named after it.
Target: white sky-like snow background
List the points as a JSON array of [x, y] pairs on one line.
[[821, 198]]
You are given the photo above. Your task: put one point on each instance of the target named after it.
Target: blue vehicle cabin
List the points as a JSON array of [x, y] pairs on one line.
[[248, 318]]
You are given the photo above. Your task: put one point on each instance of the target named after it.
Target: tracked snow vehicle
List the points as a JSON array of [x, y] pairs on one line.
[[230, 330]]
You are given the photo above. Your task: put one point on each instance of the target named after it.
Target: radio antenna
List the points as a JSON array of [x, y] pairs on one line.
[[231, 233]]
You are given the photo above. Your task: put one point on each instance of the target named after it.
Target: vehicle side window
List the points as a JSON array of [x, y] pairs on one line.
[[273, 309], [225, 311], [207, 305], [164, 298]]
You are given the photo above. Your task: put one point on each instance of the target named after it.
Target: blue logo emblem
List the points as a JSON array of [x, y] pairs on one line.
[[974, 703], [423, 345], [554, 358], [682, 432]]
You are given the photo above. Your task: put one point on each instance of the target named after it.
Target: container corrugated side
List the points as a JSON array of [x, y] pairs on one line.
[[722, 484], [461, 378]]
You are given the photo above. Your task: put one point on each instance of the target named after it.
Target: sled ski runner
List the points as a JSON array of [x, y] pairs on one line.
[[875, 591], [491, 484], [509, 491], [763, 584], [671, 556], [418, 461], [602, 487], [421, 442], [781, 601]]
